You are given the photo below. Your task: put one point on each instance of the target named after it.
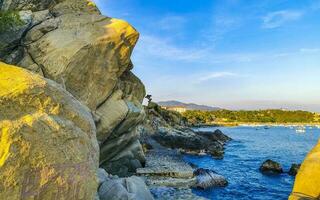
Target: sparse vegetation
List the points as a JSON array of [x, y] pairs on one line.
[[9, 19]]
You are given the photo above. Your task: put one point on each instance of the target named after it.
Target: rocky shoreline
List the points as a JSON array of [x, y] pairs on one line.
[[72, 122], [166, 139]]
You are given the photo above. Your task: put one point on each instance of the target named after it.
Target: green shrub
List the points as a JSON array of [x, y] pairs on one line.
[[9, 19]]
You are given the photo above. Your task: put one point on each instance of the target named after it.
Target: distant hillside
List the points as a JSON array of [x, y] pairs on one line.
[[189, 106], [257, 116]]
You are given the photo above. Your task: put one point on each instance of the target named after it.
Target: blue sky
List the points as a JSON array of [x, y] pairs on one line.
[[236, 54]]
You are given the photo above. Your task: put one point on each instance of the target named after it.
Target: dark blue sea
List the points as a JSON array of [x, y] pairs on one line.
[[245, 153]]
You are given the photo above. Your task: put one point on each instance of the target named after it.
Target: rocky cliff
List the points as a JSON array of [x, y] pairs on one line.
[[85, 55]]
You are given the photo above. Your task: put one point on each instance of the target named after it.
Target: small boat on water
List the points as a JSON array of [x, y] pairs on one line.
[[300, 129]]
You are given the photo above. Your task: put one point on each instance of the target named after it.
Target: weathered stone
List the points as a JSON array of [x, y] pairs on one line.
[[10, 39], [102, 176], [71, 43], [48, 146], [166, 163], [208, 178], [307, 181], [217, 135], [133, 89], [271, 167], [132, 188], [189, 142], [86, 53], [34, 5], [294, 169], [110, 115]]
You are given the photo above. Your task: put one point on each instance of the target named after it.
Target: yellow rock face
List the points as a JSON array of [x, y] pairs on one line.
[[307, 183], [87, 54], [48, 147]]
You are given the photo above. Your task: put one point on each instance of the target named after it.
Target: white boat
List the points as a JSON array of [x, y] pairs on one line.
[[301, 129]]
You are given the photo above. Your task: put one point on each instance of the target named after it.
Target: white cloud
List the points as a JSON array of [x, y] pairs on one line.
[[216, 75], [163, 48], [278, 18]]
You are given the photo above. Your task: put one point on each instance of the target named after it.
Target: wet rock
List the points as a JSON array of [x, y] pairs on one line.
[[207, 178], [271, 167], [294, 169], [217, 135]]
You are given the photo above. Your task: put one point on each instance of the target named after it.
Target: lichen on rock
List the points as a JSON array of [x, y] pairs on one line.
[[48, 146], [88, 55]]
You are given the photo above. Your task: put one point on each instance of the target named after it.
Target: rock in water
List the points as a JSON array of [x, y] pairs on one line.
[[294, 169], [307, 183], [48, 146], [271, 167], [207, 178]]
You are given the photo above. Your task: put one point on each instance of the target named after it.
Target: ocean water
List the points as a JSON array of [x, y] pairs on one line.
[[244, 155]]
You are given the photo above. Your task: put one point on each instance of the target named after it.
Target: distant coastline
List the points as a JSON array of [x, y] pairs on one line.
[[255, 124]]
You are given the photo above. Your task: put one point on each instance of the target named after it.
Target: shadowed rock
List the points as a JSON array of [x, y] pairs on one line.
[[115, 188], [271, 167], [294, 169], [71, 43], [208, 178]]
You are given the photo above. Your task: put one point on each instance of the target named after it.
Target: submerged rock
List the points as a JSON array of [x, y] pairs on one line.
[[48, 147], [207, 178], [294, 169], [271, 167]]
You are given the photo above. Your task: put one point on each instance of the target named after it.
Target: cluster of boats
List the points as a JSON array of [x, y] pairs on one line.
[[298, 128]]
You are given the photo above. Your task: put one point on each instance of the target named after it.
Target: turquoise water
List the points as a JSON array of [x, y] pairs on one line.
[[244, 155]]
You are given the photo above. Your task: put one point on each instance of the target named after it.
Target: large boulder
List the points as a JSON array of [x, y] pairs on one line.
[[70, 42], [270, 167], [207, 178], [307, 181], [114, 188], [48, 146], [189, 142], [89, 60]]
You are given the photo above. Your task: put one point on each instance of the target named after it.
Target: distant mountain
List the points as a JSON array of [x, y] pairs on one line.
[[189, 106]]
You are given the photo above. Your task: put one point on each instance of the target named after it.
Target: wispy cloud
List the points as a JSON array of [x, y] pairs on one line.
[[172, 22], [216, 75], [162, 48], [278, 18]]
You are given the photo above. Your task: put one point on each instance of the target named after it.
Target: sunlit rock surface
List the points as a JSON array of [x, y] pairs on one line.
[[48, 146], [307, 183], [71, 43]]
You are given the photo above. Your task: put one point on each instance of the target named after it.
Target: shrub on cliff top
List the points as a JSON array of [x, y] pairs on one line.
[[9, 19]]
